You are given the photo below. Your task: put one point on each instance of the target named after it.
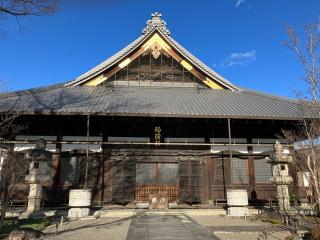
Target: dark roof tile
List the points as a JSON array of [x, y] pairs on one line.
[[153, 101]]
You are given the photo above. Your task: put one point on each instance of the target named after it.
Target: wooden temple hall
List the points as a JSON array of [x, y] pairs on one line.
[[152, 120]]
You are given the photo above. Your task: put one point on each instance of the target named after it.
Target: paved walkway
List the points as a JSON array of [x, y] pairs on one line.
[[166, 227]]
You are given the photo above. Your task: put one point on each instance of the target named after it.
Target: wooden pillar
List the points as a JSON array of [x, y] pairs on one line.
[[252, 177], [204, 180], [206, 173], [294, 173], [230, 155], [104, 167], [102, 172], [107, 166], [56, 167], [210, 169]]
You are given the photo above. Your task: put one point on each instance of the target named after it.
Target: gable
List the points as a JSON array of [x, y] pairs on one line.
[[154, 62], [156, 42]]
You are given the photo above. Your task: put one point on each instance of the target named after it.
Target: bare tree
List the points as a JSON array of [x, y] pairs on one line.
[[12, 173], [307, 136], [12, 168], [26, 8]]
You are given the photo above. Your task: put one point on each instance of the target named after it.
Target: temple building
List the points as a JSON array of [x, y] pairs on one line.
[[153, 120]]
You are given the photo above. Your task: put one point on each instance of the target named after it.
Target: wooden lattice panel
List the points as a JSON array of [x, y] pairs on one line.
[[144, 193]]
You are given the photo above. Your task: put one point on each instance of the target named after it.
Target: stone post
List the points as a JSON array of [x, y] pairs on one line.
[[79, 202], [237, 201], [280, 177], [39, 173]]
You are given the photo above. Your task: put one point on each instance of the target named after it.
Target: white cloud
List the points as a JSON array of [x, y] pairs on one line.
[[237, 58], [239, 2]]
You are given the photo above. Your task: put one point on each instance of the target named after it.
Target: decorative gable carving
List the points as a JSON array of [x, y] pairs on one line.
[[156, 22]]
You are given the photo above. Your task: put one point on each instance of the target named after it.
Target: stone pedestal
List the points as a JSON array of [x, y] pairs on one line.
[[283, 198], [34, 198], [237, 201], [79, 202]]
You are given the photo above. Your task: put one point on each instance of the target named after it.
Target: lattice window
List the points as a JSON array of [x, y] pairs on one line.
[[156, 174], [147, 70], [72, 170], [262, 170], [240, 170]]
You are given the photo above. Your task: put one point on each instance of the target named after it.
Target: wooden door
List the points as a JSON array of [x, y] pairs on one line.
[[189, 181], [155, 179], [123, 181]]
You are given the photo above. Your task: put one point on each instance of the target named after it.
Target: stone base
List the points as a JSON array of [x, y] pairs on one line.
[[34, 215], [238, 211], [75, 213], [173, 205], [158, 202]]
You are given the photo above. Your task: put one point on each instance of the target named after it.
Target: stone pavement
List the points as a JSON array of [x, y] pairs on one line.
[[166, 227]]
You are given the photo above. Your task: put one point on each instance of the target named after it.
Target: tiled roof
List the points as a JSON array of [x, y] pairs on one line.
[[155, 24], [153, 101]]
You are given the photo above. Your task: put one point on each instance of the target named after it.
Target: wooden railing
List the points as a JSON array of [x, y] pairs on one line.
[[144, 193]]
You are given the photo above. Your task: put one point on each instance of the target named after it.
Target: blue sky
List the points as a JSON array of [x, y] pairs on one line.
[[240, 39]]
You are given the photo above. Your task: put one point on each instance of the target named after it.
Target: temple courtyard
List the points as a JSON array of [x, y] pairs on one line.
[[166, 225]]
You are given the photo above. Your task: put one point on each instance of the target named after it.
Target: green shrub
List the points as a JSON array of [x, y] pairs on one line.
[[36, 224]]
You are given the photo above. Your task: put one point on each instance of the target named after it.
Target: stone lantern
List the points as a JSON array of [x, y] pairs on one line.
[[39, 173], [280, 177]]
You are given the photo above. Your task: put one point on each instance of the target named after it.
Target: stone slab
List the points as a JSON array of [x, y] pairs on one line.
[[238, 211], [80, 198], [237, 197]]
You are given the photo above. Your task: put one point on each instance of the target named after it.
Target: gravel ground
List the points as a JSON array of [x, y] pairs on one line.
[[116, 228], [103, 228], [207, 220], [250, 236], [227, 228]]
